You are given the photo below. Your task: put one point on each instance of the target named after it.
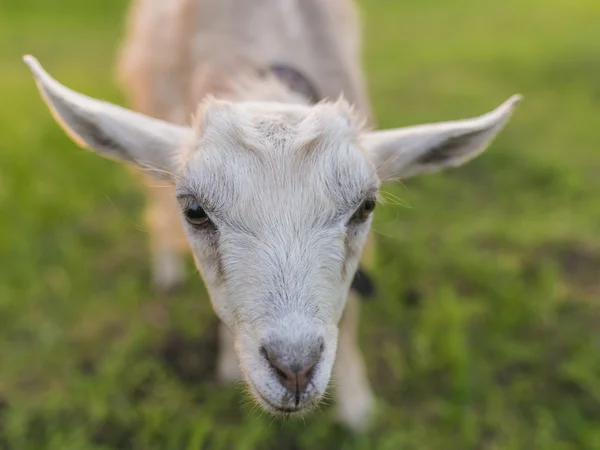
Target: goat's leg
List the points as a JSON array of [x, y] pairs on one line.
[[228, 368], [167, 240], [355, 400]]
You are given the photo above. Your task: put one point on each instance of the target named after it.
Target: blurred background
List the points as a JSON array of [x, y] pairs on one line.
[[486, 330]]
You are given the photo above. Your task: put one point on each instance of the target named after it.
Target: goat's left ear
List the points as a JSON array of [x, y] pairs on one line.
[[151, 144], [405, 152]]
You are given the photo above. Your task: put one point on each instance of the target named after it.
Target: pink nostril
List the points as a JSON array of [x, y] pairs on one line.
[[305, 374]]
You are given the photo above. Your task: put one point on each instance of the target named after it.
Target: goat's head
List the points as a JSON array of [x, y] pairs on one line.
[[276, 201]]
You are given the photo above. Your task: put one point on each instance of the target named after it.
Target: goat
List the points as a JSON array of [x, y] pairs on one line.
[[275, 192]]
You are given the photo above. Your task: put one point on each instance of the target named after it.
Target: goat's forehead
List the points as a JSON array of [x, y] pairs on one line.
[[260, 125], [278, 147]]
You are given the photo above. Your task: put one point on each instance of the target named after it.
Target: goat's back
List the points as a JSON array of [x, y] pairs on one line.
[[169, 44]]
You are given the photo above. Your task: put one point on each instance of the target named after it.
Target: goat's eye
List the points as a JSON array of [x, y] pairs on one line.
[[196, 215], [364, 210]]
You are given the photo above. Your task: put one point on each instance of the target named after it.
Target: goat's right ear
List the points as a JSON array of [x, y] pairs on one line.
[[409, 151], [112, 131]]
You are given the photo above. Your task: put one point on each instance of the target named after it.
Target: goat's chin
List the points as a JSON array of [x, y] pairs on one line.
[[280, 410]]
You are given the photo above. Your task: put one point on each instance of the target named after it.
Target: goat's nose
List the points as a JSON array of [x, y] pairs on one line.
[[293, 374]]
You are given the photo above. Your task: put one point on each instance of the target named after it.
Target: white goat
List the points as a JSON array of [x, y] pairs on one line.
[[276, 193]]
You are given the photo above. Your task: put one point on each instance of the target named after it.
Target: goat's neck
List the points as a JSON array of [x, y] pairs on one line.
[[247, 84]]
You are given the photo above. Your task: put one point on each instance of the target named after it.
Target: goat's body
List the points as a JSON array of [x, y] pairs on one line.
[[179, 51], [170, 46]]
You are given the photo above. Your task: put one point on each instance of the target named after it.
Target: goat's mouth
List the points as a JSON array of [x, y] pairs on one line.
[[280, 409], [277, 408]]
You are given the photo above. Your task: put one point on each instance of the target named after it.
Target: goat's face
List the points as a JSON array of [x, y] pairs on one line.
[[276, 202]]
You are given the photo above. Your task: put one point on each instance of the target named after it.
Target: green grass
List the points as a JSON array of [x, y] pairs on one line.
[[486, 332]]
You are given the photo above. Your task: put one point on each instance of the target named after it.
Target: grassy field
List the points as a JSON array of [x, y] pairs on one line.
[[486, 331]]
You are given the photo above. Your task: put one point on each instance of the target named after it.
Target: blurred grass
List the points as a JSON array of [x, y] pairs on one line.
[[486, 334]]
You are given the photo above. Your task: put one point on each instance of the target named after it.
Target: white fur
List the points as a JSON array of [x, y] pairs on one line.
[[279, 179]]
